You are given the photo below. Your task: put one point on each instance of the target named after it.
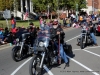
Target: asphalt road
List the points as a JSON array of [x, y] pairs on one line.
[[85, 62]]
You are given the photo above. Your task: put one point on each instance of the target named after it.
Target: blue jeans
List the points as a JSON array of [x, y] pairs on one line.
[[93, 38], [41, 26], [13, 26], [63, 54], [2, 37], [68, 25]]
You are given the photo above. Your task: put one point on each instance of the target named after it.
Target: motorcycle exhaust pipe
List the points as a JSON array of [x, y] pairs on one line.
[[43, 55], [21, 48]]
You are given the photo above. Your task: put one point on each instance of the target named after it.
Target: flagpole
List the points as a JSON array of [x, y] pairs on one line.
[[28, 15]]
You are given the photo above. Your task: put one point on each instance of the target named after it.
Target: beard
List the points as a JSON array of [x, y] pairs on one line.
[[55, 26]]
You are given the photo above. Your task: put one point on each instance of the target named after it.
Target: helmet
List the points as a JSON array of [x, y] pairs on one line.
[[55, 22], [31, 23]]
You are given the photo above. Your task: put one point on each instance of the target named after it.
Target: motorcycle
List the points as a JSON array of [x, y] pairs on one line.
[[22, 47], [44, 54], [85, 38]]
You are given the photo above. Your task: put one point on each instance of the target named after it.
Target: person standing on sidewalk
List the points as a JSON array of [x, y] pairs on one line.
[[13, 22]]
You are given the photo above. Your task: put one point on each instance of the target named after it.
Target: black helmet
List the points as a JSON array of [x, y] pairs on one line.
[[31, 23]]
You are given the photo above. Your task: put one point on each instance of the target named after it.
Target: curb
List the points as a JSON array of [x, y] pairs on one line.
[[5, 45]]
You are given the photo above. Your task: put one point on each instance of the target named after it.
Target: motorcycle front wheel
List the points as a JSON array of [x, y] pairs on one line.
[[82, 43], [34, 68], [16, 54]]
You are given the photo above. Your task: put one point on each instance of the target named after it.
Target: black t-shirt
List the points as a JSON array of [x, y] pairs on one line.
[[91, 30]]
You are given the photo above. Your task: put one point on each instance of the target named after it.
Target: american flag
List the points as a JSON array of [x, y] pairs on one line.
[[26, 14]]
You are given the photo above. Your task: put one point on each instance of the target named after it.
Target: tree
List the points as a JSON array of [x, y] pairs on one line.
[[41, 5], [5, 4]]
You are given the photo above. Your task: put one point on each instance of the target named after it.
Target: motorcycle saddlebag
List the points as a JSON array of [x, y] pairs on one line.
[[68, 48]]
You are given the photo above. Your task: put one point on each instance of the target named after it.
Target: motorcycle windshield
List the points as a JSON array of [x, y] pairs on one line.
[[44, 38]]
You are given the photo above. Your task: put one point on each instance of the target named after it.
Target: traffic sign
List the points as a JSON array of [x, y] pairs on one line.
[[7, 14]]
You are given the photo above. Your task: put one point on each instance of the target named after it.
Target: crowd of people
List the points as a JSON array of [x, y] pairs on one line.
[[67, 22], [9, 36]]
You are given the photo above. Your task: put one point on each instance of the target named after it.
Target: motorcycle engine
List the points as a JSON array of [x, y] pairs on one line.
[[54, 60]]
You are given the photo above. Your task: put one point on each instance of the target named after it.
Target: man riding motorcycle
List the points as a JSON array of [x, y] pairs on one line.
[[55, 31], [90, 28], [92, 34]]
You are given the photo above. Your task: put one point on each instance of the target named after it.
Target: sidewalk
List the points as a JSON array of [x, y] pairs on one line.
[[5, 45]]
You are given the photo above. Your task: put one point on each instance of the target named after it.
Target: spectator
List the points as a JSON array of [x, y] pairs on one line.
[[14, 30], [11, 38], [64, 22], [6, 32], [68, 22], [13, 22], [1, 37]]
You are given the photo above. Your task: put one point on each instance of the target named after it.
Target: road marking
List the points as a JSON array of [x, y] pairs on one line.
[[92, 47], [76, 49], [91, 52], [86, 48], [72, 38], [48, 71], [13, 73], [67, 56], [95, 73]]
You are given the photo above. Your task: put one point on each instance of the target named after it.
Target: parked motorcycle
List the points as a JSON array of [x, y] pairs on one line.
[[85, 38], [22, 47]]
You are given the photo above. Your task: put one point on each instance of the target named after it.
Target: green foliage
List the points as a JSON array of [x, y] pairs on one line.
[[5, 4], [41, 5]]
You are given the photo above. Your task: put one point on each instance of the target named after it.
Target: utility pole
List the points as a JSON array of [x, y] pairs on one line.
[[15, 12], [92, 6], [58, 8], [77, 12], [48, 11]]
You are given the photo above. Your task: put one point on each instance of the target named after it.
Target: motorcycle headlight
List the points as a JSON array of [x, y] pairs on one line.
[[17, 39], [41, 44]]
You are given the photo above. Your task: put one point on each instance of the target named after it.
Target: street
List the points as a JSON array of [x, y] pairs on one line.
[[85, 62]]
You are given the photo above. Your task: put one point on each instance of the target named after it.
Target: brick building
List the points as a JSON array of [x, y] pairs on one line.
[[92, 5]]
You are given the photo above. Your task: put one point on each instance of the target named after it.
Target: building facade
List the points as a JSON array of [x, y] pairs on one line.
[[93, 6], [24, 6]]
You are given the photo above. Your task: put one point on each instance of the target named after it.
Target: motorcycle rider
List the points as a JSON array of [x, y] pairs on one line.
[[55, 31], [90, 28], [92, 34]]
